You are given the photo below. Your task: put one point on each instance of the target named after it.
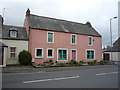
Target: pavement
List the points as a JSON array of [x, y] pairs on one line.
[[31, 69]]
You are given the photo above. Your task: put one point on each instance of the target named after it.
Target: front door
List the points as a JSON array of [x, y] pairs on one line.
[[106, 56], [73, 54], [1, 55]]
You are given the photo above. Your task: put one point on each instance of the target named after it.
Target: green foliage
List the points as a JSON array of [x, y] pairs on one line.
[[91, 63], [103, 62], [51, 61], [95, 61], [25, 57], [73, 62]]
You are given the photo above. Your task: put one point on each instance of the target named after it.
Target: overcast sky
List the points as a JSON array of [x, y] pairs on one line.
[[98, 12]]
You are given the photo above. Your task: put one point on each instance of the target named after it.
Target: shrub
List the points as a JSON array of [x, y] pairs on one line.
[[25, 57], [50, 61], [73, 62], [95, 61], [91, 63], [102, 62]]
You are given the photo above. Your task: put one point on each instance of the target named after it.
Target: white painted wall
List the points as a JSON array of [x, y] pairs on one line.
[[19, 44], [116, 55]]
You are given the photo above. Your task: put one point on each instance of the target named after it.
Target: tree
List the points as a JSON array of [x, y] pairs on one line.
[[25, 57], [108, 47]]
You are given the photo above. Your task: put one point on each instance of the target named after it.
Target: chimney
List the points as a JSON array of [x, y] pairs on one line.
[[89, 24], [28, 12]]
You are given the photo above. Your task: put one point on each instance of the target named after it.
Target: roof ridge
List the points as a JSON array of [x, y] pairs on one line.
[[57, 19], [14, 26]]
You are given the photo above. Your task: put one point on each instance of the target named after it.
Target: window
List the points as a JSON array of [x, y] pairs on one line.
[[12, 52], [13, 34], [62, 54], [39, 53], [50, 53], [50, 37], [73, 39], [90, 54], [89, 40]]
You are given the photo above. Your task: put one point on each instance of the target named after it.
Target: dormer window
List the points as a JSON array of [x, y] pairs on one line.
[[13, 32]]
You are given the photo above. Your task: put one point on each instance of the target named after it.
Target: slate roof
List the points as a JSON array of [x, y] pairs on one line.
[[3, 45], [47, 23], [116, 46], [22, 34]]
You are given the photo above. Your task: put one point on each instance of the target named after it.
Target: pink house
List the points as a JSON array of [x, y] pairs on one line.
[[61, 40]]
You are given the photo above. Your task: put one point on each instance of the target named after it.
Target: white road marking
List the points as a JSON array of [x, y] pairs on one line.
[[106, 73], [51, 79]]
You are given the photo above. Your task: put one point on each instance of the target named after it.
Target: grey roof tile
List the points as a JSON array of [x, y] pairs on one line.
[[46, 23], [22, 34], [3, 45]]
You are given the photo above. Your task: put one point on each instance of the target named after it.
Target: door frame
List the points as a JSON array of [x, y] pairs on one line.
[[71, 54]]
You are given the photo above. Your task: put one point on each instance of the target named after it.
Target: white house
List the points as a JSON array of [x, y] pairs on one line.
[[13, 40]]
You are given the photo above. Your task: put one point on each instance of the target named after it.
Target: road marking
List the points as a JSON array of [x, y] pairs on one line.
[[51, 79], [106, 73]]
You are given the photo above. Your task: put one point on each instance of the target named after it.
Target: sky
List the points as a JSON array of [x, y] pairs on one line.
[[97, 12]]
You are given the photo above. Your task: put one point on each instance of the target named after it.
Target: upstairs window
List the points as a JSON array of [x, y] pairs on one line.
[[73, 39], [50, 37], [13, 34], [90, 41]]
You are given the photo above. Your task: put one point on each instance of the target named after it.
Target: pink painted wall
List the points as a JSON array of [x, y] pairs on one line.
[[38, 39]]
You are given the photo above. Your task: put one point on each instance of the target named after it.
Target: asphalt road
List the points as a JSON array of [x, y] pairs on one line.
[[90, 78]]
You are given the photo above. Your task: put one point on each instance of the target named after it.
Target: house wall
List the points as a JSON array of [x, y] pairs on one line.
[[115, 55], [38, 39], [19, 44]]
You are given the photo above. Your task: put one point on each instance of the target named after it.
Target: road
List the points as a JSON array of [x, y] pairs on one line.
[[90, 78]]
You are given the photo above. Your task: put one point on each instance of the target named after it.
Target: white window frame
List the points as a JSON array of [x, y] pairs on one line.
[[71, 54], [13, 52], [52, 52], [91, 40], [94, 54], [11, 34], [58, 52], [75, 39], [53, 37], [36, 53]]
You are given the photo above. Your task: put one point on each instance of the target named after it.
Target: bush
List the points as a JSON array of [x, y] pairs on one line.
[[73, 62], [95, 61], [25, 57], [91, 63], [102, 62]]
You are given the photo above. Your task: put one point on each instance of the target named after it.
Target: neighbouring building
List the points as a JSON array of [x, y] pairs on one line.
[[115, 51], [12, 41], [61, 40]]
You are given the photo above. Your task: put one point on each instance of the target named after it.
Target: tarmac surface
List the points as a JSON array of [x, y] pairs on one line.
[[31, 69]]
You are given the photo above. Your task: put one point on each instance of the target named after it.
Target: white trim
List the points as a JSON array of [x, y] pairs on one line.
[[13, 52], [47, 36], [62, 49], [13, 35], [91, 40], [75, 39], [52, 52], [71, 54], [94, 54], [35, 52]]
